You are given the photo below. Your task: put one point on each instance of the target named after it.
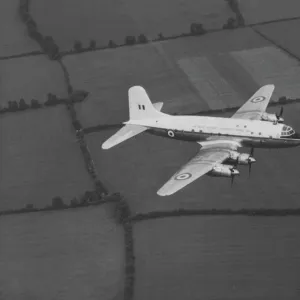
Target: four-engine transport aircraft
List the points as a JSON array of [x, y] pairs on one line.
[[219, 138]]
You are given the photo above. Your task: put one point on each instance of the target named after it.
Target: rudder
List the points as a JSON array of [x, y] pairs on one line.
[[140, 106]]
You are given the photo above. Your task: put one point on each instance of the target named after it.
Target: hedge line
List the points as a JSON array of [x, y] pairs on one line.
[[47, 43], [256, 212], [122, 215], [87, 199], [237, 22], [52, 100]]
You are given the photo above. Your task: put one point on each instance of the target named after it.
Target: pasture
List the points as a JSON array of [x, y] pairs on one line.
[[73, 254], [217, 258], [14, 37], [285, 34], [151, 161], [30, 77], [107, 20], [188, 75], [40, 158], [256, 11]]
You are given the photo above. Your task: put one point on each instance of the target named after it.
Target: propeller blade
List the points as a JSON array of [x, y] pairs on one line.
[[278, 116], [252, 152], [250, 164], [232, 178]]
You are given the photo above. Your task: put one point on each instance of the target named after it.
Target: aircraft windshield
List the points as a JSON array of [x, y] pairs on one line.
[[287, 131]]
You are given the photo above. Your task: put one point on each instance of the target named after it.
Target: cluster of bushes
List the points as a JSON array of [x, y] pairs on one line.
[[122, 215], [57, 203], [14, 106], [52, 100], [234, 22], [47, 43]]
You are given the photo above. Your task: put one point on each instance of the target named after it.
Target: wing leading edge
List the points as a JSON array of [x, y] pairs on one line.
[[199, 165], [256, 105]]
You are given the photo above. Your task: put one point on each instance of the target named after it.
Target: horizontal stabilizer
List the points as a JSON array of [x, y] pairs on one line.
[[125, 133]]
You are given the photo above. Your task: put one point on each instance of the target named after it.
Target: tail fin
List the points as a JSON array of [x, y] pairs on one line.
[[140, 106]]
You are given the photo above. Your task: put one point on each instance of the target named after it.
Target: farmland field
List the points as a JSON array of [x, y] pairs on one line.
[[30, 77], [39, 158], [14, 38], [152, 160], [115, 20], [73, 254], [217, 258], [255, 11], [285, 34], [187, 74]]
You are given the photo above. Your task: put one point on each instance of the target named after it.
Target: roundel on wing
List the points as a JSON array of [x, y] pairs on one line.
[[183, 176], [258, 99]]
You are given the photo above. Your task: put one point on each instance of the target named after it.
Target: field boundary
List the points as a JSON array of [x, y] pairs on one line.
[[50, 48]]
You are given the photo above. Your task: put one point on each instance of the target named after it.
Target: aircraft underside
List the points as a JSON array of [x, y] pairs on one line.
[[251, 142]]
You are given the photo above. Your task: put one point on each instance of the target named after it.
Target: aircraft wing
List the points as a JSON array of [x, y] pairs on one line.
[[256, 105], [212, 153]]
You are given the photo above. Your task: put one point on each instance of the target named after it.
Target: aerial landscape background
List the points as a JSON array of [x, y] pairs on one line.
[[78, 222]]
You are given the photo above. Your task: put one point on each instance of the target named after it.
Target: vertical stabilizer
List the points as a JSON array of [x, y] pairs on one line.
[[140, 106]]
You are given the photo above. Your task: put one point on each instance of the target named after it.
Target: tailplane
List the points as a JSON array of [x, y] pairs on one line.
[[140, 107]]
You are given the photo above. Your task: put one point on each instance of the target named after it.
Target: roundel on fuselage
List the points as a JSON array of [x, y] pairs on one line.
[[171, 133]]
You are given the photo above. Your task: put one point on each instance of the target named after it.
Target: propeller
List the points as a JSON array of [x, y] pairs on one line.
[[279, 116], [233, 173], [251, 160]]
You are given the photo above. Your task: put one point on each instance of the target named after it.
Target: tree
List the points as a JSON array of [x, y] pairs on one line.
[[22, 104], [78, 46], [160, 36], [57, 202], [92, 44], [196, 29], [142, 39], [112, 44], [35, 103], [74, 202], [130, 40]]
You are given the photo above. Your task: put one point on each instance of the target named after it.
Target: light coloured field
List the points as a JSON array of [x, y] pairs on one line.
[[39, 158], [217, 258], [188, 75], [150, 161], [284, 34], [272, 65], [74, 254], [255, 11], [14, 38], [107, 20], [30, 77]]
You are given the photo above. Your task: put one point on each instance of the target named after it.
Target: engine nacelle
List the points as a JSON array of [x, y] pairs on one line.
[[221, 170], [241, 158], [271, 118]]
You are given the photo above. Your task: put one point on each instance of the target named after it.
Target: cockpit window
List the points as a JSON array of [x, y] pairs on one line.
[[287, 131]]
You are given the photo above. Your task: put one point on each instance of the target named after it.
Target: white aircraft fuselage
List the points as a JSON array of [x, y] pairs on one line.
[[250, 133]]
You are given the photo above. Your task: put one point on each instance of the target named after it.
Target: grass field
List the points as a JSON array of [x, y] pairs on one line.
[[272, 65], [217, 258], [39, 158], [284, 34], [115, 20], [187, 74], [151, 161], [30, 77], [255, 11], [14, 38], [74, 254]]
